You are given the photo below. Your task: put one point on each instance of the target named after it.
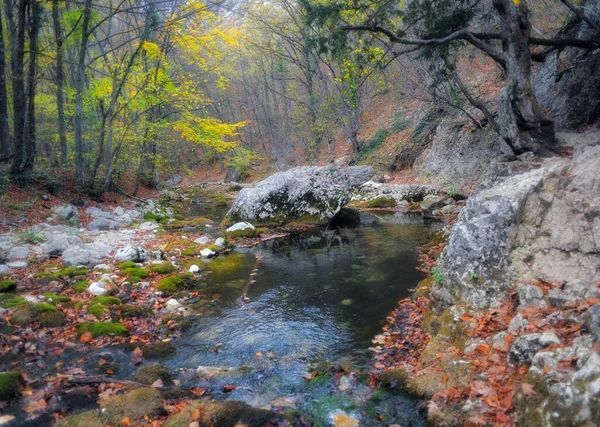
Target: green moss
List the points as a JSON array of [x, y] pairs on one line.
[[174, 283], [52, 320], [85, 419], [70, 272], [56, 299], [127, 264], [27, 312], [178, 217], [11, 383], [129, 310], [380, 202], [99, 303], [321, 409], [81, 287], [189, 252], [220, 414], [9, 300], [102, 328], [135, 272], [192, 223], [135, 404], [164, 268], [159, 350], [150, 374], [8, 285]]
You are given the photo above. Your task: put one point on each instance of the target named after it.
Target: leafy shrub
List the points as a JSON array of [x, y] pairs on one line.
[[242, 160], [374, 143], [29, 236]]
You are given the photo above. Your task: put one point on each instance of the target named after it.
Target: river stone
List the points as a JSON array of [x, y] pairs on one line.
[[66, 212], [18, 253], [530, 295], [17, 265], [358, 175], [311, 194], [74, 257], [58, 243], [133, 253], [220, 243], [207, 253], [202, 240], [431, 202], [102, 267], [4, 269], [97, 288], [194, 269], [173, 180], [148, 226], [103, 224], [526, 346], [240, 226], [571, 292], [172, 305]]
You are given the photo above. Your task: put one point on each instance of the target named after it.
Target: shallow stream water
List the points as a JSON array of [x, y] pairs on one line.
[[318, 297]]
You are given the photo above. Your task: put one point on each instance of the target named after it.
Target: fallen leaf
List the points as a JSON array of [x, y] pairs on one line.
[[528, 389]]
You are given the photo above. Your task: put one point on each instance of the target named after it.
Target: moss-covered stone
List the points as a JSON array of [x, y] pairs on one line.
[[52, 319], [85, 419], [127, 264], [27, 312], [135, 272], [55, 299], [380, 202], [191, 223], [322, 409], [245, 233], [11, 300], [230, 267], [174, 283], [8, 285], [70, 272], [220, 414], [164, 268], [11, 383], [141, 402], [189, 252], [150, 374], [129, 310], [99, 303], [81, 287], [102, 328], [159, 350]]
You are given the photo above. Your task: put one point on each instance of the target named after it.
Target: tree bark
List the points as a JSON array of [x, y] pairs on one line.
[[5, 148], [79, 86], [18, 81], [523, 124], [30, 142], [60, 84]]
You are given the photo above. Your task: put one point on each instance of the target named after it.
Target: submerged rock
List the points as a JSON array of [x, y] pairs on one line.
[[306, 194]]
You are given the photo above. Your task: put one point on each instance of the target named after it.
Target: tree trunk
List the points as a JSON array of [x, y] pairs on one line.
[[5, 148], [19, 88], [60, 84], [79, 86], [523, 124], [30, 142]]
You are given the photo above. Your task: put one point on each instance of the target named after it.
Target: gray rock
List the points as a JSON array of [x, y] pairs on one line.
[[4, 269], [202, 240], [524, 348], [173, 180], [571, 292], [17, 265], [358, 175], [101, 267], [593, 320], [95, 212], [77, 256], [66, 212], [530, 295], [18, 253], [148, 226], [233, 175], [58, 243], [207, 253], [240, 226], [312, 194], [431, 202], [103, 224], [172, 305], [100, 248], [220, 242], [97, 288], [548, 338], [133, 253], [518, 324]]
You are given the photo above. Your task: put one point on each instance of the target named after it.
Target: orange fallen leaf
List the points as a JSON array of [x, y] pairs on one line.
[[528, 389], [126, 421], [86, 337]]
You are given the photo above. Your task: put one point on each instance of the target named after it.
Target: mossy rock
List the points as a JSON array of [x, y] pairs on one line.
[[81, 287], [70, 272], [380, 202], [321, 409], [102, 328], [85, 419], [245, 233], [11, 300], [233, 266], [191, 223], [8, 285], [54, 299], [164, 268], [127, 264], [11, 383], [174, 283], [26, 313], [130, 310], [52, 319], [135, 272], [189, 252], [152, 373], [221, 414], [135, 404], [159, 350], [99, 303]]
